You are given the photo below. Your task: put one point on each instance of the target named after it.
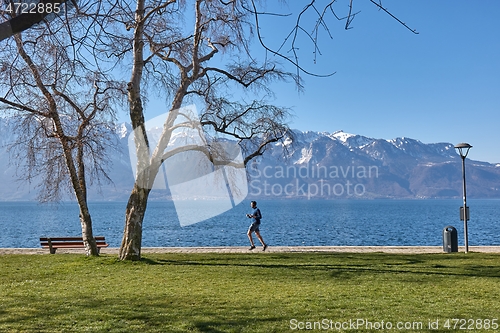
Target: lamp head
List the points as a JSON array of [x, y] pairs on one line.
[[461, 147]]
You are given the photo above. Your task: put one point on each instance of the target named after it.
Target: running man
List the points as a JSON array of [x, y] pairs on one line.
[[254, 227]]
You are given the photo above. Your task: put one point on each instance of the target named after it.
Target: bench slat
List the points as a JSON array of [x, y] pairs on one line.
[[65, 246], [69, 239], [72, 244]]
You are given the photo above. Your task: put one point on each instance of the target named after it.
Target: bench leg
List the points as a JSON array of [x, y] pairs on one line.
[[52, 249]]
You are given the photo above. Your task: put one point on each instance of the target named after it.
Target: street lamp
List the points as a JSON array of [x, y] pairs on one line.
[[464, 213]]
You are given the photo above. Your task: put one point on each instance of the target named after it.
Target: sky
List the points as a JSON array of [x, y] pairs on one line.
[[440, 85]]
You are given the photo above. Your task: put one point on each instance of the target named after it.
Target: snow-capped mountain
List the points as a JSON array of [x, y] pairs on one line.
[[338, 164], [310, 165]]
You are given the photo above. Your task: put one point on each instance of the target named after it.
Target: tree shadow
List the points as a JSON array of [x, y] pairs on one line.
[[156, 314], [342, 264]]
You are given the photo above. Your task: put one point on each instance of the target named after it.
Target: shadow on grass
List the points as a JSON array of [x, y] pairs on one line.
[[214, 326], [140, 314], [342, 264]]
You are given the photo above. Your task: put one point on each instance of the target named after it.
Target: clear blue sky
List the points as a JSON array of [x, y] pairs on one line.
[[442, 85]]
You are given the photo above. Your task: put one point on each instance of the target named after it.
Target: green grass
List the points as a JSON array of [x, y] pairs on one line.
[[245, 292]]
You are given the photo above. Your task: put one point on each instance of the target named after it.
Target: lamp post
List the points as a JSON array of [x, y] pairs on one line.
[[463, 150]]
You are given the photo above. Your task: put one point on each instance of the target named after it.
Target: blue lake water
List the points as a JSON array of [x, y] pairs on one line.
[[285, 222]]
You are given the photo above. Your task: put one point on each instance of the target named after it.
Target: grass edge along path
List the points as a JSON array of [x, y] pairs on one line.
[[265, 292]]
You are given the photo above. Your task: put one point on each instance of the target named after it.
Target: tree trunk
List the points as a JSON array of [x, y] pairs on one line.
[[81, 198], [87, 233], [130, 248], [132, 236]]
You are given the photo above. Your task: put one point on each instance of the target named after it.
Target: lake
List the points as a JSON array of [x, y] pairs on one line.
[[284, 223]]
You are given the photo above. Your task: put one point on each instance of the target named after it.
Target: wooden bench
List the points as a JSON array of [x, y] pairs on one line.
[[54, 243]]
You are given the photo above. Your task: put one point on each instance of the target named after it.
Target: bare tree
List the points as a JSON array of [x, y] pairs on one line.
[[64, 113], [179, 47]]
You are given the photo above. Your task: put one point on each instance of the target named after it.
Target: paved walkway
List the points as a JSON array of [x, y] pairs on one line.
[[270, 249]]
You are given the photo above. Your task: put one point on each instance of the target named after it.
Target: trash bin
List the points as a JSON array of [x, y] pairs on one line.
[[450, 239]]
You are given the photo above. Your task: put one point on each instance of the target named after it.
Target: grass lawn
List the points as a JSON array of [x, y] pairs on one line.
[[255, 292]]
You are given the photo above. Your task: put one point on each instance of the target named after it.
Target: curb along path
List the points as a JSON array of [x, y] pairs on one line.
[[270, 249]]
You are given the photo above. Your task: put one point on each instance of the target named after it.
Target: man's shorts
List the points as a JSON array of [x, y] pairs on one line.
[[254, 227]]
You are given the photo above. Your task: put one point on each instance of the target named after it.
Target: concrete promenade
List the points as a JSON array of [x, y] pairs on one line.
[[270, 249]]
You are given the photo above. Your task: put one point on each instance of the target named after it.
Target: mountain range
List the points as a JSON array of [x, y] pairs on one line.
[[400, 168], [309, 165]]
